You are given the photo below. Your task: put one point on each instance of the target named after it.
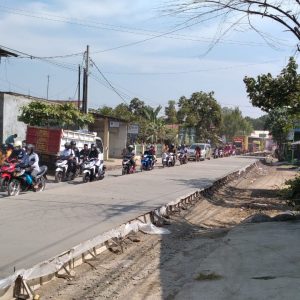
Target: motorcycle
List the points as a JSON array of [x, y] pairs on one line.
[[23, 181], [91, 171], [168, 159], [127, 166], [63, 172], [6, 170], [147, 162], [221, 153], [182, 158], [216, 153]]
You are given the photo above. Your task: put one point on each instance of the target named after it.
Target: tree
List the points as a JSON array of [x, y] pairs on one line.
[[280, 124], [155, 128], [283, 91], [66, 115], [202, 112], [258, 123], [171, 113], [283, 12], [136, 107], [106, 110], [122, 111], [233, 123]]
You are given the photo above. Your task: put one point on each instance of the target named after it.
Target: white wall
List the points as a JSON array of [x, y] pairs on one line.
[[117, 140], [11, 111]]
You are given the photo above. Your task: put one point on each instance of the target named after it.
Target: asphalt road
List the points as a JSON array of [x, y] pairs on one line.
[[37, 226]]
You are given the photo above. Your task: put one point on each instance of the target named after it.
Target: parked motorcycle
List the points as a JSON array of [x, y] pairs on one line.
[[22, 181], [127, 167], [182, 158], [6, 171], [91, 171], [147, 162]]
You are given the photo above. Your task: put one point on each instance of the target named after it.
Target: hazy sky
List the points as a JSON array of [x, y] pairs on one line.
[[156, 70]]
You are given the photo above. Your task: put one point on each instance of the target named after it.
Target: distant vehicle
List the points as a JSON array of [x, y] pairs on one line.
[[205, 151]]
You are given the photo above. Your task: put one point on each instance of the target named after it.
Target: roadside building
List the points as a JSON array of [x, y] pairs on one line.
[[113, 131]]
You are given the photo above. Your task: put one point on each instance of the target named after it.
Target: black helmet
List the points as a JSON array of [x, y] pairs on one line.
[[67, 145], [73, 143]]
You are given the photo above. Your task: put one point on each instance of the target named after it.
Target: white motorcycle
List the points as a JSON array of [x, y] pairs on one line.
[[92, 170], [168, 159], [61, 169]]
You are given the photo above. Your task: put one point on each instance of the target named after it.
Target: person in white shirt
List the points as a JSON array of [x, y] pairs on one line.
[[33, 163]]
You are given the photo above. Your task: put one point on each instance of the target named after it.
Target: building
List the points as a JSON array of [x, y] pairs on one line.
[[113, 131]]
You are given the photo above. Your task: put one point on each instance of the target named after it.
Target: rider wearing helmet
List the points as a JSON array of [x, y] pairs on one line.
[[18, 153], [130, 155], [84, 153], [76, 151], [33, 163], [94, 153]]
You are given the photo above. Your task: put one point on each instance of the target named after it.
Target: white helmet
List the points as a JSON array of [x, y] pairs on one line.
[[17, 144]]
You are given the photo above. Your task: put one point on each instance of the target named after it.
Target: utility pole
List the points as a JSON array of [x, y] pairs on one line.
[[48, 77], [85, 81], [79, 79]]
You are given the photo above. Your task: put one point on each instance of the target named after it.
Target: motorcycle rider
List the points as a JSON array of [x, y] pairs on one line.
[[32, 161], [183, 150], [84, 153], [18, 152], [198, 152], [94, 153], [69, 155], [172, 149], [130, 155]]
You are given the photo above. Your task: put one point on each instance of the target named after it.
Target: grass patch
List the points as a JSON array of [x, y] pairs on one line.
[[208, 276]]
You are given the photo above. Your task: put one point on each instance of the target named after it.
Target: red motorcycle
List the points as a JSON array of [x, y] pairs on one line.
[[6, 173]]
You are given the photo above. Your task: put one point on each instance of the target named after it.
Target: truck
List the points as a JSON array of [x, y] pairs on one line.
[[49, 142], [241, 144]]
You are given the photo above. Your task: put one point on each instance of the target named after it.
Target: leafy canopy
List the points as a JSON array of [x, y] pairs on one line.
[[39, 113], [268, 92]]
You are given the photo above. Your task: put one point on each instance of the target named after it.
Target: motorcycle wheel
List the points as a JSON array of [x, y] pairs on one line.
[[124, 171], [4, 182], [41, 184], [86, 178], [14, 188], [141, 168], [58, 176]]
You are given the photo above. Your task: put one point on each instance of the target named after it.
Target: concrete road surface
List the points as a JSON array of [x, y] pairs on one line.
[[37, 226]]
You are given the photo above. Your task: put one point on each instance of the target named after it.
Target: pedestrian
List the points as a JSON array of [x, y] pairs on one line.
[[11, 139]]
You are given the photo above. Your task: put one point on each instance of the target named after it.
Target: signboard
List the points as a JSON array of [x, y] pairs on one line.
[[114, 124], [262, 135], [133, 129]]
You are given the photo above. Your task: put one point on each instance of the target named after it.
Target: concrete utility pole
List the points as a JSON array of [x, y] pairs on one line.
[[85, 81], [79, 79], [48, 77]]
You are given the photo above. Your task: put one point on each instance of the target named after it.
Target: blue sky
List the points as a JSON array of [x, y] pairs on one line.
[[155, 71]]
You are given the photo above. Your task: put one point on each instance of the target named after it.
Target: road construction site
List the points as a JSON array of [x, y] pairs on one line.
[[210, 253], [44, 225]]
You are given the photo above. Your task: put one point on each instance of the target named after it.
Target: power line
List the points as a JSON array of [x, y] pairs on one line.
[[189, 71], [113, 88]]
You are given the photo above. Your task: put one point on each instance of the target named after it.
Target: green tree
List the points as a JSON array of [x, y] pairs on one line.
[[122, 111], [136, 107], [66, 115], [171, 113], [268, 92], [258, 123], [106, 110], [202, 112], [233, 123]]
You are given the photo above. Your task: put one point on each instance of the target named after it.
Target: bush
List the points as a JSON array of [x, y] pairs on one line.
[[292, 192]]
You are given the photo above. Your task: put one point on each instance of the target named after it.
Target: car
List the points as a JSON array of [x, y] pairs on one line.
[[205, 151]]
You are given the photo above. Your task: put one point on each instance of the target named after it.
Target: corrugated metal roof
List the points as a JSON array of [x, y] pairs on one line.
[[5, 53]]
